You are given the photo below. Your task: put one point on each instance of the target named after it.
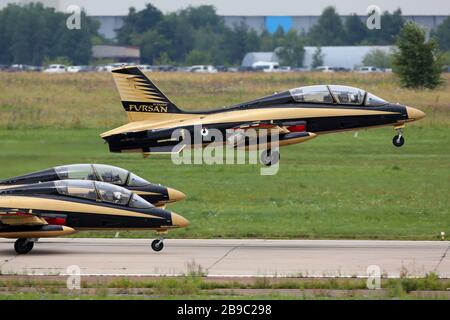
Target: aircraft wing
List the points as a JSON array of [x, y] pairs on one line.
[[256, 125], [290, 132]]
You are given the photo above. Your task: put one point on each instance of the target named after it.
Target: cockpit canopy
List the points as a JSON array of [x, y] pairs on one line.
[[101, 191], [100, 172], [335, 94]]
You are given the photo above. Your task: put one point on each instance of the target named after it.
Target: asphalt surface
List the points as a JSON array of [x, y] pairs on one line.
[[229, 258]]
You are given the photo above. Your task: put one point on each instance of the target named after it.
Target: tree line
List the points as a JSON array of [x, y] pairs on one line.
[[198, 35], [33, 34]]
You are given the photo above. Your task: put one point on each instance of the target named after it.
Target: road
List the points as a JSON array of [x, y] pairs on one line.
[[229, 258]]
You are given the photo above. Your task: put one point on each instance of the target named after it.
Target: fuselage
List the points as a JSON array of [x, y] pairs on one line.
[[279, 109], [79, 205], [156, 194]]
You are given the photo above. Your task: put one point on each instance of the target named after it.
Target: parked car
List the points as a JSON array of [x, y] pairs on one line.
[[340, 69], [74, 69], [324, 69], [266, 66], [221, 68], [165, 68], [245, 69], [146, 68], [203, 69], [368, 69], [55, 68], [285, 69]]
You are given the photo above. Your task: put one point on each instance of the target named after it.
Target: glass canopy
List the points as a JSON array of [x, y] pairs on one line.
[[100, 172], [335, 94], [101, 191]]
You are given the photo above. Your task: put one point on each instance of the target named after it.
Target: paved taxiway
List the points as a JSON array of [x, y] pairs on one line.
[[229, 257]]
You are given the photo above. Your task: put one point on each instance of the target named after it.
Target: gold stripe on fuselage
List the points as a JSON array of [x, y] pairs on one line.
[[35, 203]]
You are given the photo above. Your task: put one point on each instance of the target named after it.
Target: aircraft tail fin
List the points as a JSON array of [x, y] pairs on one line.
[[141, 98]]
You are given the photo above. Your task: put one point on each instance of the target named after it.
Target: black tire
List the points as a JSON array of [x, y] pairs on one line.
[[23, 246], [157, 245], [270, 157], [398, 141]]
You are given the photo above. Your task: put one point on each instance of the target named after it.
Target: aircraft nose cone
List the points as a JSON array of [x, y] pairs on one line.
[[179, 221], [175, 195], [414, 114]]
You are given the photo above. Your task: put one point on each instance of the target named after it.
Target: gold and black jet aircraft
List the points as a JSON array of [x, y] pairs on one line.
[[59, 208], [156, 194], [297, 115]]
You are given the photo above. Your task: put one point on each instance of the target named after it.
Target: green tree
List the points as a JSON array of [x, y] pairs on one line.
[[30, 33], [378, 58], [292, 52], [355, 31], [180, 34], [163, 59], [198, 57], [138, 22], [329, 30], [317, 58], [442, 33], [238, 41], [202, 16], [391, 25], [417, 61], [152, 45]]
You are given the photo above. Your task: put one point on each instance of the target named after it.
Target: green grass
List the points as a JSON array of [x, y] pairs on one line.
[[335, 186], [90, 100], [193, 287]]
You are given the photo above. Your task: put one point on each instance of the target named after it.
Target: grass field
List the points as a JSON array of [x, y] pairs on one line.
[[335, 186], [198, 287]]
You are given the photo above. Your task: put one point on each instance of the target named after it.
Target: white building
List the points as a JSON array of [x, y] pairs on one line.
[[342, 56], [337, 56]]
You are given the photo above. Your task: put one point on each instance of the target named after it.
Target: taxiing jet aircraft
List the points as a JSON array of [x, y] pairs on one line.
[[59, 208], [156, 194], [297, 115]]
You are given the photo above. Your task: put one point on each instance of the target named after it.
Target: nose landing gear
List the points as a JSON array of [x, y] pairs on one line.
[[158, 244], [398, 140]]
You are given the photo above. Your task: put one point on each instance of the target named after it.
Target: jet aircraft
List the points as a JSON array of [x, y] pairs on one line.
[[297, 115], [156, 194], [63, 207]]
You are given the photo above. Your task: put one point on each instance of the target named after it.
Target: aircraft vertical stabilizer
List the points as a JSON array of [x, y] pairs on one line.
[[141, 99]]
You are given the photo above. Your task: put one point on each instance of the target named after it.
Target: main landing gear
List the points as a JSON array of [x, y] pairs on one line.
[[23, 245], [270, 157], [398, 140]]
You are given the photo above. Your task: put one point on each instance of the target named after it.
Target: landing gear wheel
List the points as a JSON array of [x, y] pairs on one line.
[[157, 245], [23, 246], [270, 157], [398, 140]]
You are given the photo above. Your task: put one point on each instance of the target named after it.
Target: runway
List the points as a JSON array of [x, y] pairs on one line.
[[229, 258]]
